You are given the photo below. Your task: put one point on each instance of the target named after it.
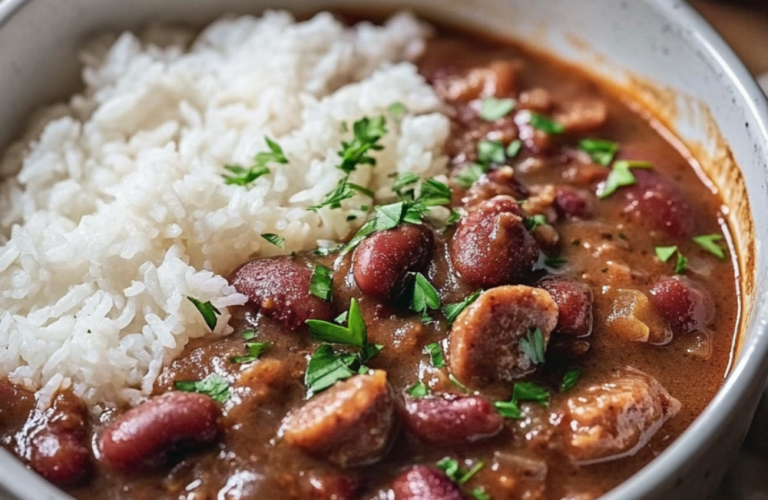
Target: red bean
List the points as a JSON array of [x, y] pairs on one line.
[[279, 288], [54, 448], [657, 203], [683, 305], [492, 247], [422, 482], [574, 303], [572, 203], [384, 259], [143, 436], [451, 419]]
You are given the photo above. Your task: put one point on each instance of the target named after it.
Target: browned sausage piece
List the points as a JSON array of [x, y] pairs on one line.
[[616, 418], [422, 482], [492, 247], [574, 304], [485, 338], [350, 424], [384, 259], [450, 419], [279, 288], [55, 447], [143, 435], [682, 304], [497, 182]]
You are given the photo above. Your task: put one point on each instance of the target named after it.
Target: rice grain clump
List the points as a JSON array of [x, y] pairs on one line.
[[114, 208]]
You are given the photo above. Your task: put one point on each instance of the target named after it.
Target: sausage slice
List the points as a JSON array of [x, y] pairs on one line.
[[485, 339], [350, 424]]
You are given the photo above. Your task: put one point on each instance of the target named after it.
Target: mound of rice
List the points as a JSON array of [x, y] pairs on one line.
[[113, 208]]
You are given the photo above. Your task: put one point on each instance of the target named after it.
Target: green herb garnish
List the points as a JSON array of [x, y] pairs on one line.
[[601, 151], [367, 133], [523, 391], [469, 175], [213, 385], [514, 148], [254, 351], [621, 175], [664, 253], [555, 262], [207, 310], [535, 221], [249, 334], [491, 152], [533, 346], [541, 122], [681, 265], [276, 240], [452, 469], [419, 390], [397, 110], [708, 243], [240, 176], [493, 109], [452, 311], [456, 382], [321, 283], [480, 494], [435, 351], [424, 297], [570, 379]]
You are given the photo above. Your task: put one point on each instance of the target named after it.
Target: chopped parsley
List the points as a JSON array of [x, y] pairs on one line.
[[541, 122], [435, 351], [321, 282], [555, 262], [535, 221], [326, 367], [491, 152], [453, 470], [326, 251], [533, 345], [367, 133], [601, 151], [480, 494], [213, 385], [452, 311], [424, 297], [403, 180], [249, 334], [570, 379], [514, 148], [207, 310], [344, 190], [240, 176], [456, 382], [665, 253], [254, 351], [621, 175], [681, 265], [397, 110], [276, 240], [419, 390], [523, 391], [469, 175], [709, 243], [493, 109]]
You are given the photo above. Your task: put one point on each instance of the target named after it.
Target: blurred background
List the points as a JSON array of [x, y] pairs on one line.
[[744, 25]]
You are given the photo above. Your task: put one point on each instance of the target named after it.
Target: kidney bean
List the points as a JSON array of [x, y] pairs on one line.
[[422, 482], [485, 338], [279, 288], [450, 419], [352, 423], [574, 304], [143, 435], [333, 486], [492, 247], [685, 306], [572, 203], [54, 448], [383, 261], [657, 203]]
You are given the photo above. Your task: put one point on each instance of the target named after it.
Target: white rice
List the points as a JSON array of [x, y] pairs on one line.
[[113, 209]]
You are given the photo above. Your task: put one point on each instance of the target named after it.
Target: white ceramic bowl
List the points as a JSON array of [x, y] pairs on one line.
[[659, 49]]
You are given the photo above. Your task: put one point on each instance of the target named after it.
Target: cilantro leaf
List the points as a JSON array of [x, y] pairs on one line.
[[452, 311], [570, 379], [275, 239], [344, 190], [450, 466], [469, 175], [355, 334], [601, 151], [664, 253], [491, 152], [681, 265], [435, 351], [403, 180], [514, 148], [213, 385], [535, 221], [508, 409], [275, 153], [249, 334], [419, 390], [207, 310], [708, 243], [533, 346], [320, 285], [493, 109], [254, 351], [240, 176], [528, 391], [367, 133], [424, 296], [326, 367], [541, 122], [620, 175]]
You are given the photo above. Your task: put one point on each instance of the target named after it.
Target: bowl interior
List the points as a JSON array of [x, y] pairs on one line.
[[714, 106]]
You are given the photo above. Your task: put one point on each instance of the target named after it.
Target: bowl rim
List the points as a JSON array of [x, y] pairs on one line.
[[751, 366]]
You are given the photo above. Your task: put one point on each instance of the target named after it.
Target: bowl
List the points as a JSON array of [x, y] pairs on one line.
[[660, 52]]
